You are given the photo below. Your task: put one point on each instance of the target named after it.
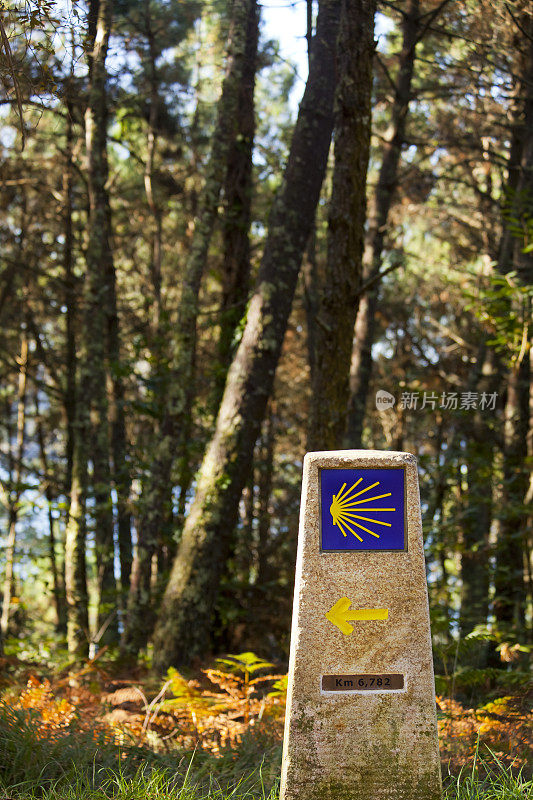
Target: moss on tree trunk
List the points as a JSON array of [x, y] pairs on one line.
[[174, 429], [346, 222], [185, 619]]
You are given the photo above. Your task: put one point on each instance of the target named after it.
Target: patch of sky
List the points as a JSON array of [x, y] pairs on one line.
[[258, 229], [431, 354], [122, 65], [287, 23], [383, 26], [121, 151], [8, 136], [436, 155], [383, 349]]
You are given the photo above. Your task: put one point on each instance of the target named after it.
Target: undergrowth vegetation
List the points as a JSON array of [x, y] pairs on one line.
[[73, 764], [212, 735]]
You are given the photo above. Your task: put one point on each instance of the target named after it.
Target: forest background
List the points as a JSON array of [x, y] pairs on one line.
[[199, 282]]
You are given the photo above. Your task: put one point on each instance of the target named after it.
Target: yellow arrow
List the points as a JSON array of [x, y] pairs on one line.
[[340, 614]]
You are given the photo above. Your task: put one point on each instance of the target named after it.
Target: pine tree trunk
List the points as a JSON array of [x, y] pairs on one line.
[[96, 316], [76, 420], [71, 306], [154, 509], [511, 547], [346, 221], [138, 621], [76, 535], [311, 291], [58, 588], [509, 585], [433, 518], [476, 519], [15, 488], [264, 492], [237, 208], [361, 366], [184, 623], [120, 476], [476, 522], [69, 398], [311, 287]]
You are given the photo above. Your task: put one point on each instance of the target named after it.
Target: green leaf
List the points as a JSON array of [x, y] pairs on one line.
[[244, 662]]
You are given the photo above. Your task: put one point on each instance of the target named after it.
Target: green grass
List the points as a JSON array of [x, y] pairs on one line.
[[487, 778], [73, 765], [492, 784]]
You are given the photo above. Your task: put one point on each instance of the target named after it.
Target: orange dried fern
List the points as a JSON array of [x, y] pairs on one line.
[[49, 712]]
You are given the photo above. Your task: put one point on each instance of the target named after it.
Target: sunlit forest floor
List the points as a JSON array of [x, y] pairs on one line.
[[111, 731]]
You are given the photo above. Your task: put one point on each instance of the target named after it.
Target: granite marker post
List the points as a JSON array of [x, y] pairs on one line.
[[361, 719]]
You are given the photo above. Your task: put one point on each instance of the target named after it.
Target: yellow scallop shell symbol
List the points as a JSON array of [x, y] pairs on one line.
[[344, 508]]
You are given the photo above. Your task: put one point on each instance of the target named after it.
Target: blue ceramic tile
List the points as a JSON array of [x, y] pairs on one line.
[[362, 509]]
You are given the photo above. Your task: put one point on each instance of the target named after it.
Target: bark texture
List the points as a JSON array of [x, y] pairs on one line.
[[511, 547], [75, 539], [58, 587], [15, 489], [184, 624], [75, 449], [69, 396], [97, 304], [92, 430], [174, 428], [478, 507], [237, 207], [361, 365], [347, 213]]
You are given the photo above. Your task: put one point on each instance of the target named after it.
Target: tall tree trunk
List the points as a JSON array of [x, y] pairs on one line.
[[76, 439], [311, 286], [237, 193], [528, 502], [71, 313], [476, 522], [113, 438], [361, 366], [121, 474], [159, 326], [347, 213], [477, 513], [96, 317], [119, 446], [11, 500], [75, 540], [156, 254], [154, 501], [476, 518], [15, 489], [510, 590], [511, 549], [433, 518], [58, 588], [264, 492], [311, 292], [69, 397], [184, 622], [237, 207]]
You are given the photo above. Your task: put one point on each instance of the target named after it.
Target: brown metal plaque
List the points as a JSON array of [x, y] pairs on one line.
[[361, 683]]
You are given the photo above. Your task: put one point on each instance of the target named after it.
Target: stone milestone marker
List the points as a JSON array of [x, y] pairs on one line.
[[361, 721]]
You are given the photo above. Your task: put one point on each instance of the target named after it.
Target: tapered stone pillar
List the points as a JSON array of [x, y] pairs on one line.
[[361, 718]]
